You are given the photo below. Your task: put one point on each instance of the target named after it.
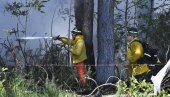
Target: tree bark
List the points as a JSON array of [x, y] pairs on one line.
[[79, 13], [105, 37], [84, 21], [88, 33]]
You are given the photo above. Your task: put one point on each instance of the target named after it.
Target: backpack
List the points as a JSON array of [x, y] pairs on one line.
[[150, 54]]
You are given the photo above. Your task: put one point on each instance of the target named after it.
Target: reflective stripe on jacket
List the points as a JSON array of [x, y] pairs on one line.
[[134, 53], [78, 49]]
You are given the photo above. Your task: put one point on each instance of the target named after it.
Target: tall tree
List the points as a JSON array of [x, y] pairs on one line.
[[88, 32], [84, 21], [79, 12], [105, 36]]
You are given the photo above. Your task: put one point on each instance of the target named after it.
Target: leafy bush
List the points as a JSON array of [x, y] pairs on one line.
[[138, 89], [22, 87]]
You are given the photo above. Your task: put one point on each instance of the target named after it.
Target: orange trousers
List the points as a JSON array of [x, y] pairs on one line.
[[81, 71]]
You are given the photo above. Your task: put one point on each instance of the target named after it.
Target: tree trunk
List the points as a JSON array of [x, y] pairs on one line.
[[88, 33], [105, 37], [84, 21], [79, 13]]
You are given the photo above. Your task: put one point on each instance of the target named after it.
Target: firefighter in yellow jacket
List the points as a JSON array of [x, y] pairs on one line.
[[134, 53], [78, 52]]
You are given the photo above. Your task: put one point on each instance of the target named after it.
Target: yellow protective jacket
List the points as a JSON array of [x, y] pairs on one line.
[[134, 53], [78, 49]]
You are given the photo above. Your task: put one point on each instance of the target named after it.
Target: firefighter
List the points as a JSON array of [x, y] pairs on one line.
[[134, 53], [78, 52]]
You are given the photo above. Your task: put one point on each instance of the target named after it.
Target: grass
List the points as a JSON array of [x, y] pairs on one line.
[[18, 86]]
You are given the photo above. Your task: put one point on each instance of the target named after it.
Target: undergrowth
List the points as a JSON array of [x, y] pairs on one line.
[[21, 87], [18, 86]]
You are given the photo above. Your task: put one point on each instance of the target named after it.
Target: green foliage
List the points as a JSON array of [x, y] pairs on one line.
[[22, 87], [22, 9], [161, 32], [56, 55], [59, 75], [118, 2], [15, 7], [163, 93], [38, 4], [138, 89]]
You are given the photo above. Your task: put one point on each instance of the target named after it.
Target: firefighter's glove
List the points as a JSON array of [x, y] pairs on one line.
[[56, 37]]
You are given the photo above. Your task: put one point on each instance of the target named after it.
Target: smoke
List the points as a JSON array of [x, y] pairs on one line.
[[38, 24]]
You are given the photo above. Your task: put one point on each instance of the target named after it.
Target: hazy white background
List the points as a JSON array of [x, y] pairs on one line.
[[40, 23]]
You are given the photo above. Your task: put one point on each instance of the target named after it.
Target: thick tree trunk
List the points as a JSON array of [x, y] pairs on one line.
[[88, 33], [105, 36], [84, 21], [79, 13]]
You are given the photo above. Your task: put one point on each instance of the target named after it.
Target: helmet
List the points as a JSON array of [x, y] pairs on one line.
[[76, 31], [132, 31]]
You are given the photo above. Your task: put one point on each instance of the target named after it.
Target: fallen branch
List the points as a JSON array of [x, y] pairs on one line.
[[106, 84]]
